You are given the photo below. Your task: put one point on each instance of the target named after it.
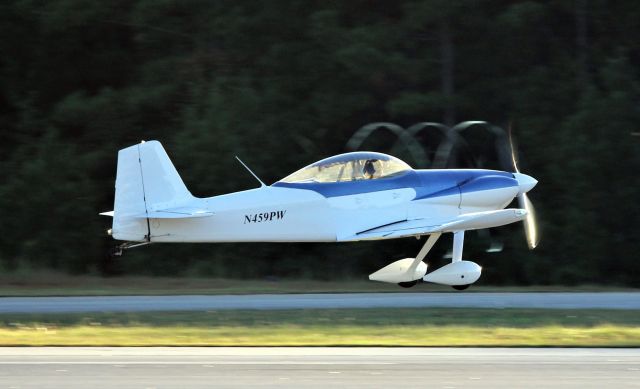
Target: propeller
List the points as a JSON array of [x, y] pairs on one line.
[[526, 183]]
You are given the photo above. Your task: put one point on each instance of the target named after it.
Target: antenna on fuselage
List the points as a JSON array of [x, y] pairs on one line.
[[262, 184]]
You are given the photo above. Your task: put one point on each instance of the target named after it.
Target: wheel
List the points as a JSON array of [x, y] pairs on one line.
[[408, 284], [460, 287], [115, 252]]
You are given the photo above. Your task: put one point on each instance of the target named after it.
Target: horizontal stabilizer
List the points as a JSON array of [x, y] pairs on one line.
[[176, 213], [171, 213]]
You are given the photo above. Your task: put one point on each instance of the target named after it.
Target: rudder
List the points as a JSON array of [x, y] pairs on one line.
[[145, 180]]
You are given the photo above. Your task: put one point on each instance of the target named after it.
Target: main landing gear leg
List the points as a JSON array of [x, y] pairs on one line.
[[458, 274], [421, 255], [458, 244]]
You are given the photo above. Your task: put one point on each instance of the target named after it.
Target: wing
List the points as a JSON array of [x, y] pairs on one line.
[[467, 221]]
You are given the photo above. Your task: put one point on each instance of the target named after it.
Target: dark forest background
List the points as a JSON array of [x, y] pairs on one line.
[[285, 83]]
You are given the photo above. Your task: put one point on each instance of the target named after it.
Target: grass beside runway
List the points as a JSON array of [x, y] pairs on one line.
[[329, 327]]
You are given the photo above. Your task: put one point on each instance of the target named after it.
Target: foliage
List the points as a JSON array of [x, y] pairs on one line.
[[287, 84]]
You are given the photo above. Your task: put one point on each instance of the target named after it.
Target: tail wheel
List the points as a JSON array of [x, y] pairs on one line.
[[460, 287], [115, 252], [408, 284]]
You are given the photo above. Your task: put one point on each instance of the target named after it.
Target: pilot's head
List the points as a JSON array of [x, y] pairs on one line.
[[369, 169]]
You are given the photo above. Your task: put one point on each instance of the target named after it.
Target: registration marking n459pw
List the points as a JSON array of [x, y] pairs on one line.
[[264, 217]]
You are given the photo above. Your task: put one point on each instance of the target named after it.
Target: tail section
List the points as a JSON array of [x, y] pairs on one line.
[[146, 181]]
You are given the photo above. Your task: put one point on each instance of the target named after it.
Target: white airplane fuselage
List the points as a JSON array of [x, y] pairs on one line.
[[329, 212]]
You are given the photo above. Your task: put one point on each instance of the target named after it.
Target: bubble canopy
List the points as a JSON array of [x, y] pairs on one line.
[[349, 167]]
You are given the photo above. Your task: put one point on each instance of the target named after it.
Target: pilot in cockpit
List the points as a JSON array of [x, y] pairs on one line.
[[369, 169]]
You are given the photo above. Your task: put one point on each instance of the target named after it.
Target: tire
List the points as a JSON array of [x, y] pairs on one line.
[[408, 284]]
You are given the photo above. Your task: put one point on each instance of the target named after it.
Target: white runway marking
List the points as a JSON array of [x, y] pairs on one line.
[[193, 367], [210, 364]]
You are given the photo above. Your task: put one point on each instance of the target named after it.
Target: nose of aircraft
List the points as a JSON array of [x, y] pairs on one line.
[[525, 182]]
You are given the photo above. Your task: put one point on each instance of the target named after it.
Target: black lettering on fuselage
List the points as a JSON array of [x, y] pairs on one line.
[[264, 217]]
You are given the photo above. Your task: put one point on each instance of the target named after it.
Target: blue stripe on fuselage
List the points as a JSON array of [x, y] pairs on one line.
[[447, 182], [426, 183], [408, 179]]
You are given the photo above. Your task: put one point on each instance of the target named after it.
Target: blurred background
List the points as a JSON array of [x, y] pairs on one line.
[[285, 83]]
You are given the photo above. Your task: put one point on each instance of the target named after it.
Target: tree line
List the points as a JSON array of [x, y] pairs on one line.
[[285, 83]]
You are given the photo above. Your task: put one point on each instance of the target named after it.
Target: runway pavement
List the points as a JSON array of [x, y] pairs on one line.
[[622, 300], [318, 368]]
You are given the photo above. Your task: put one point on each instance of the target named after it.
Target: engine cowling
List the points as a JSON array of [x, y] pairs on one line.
[[455, 273]]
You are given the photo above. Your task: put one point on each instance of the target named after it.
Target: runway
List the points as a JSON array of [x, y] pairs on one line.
[[622, 300], [318, 368]]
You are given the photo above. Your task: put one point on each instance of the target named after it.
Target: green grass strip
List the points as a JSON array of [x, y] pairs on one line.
[[348, 327]]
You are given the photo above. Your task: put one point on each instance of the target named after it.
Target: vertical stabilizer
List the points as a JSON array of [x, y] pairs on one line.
[[146, 180]]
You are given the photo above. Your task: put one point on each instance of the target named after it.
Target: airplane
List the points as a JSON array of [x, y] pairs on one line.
[[349, 197]]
